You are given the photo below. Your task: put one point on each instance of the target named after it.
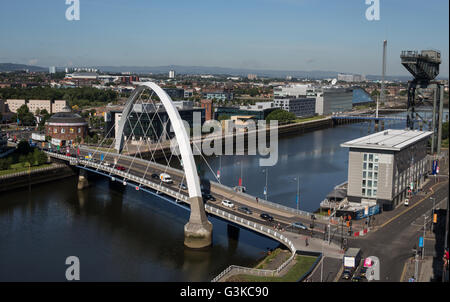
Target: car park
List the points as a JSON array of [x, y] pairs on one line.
[[245, 210], [227, 203], [266, 217]]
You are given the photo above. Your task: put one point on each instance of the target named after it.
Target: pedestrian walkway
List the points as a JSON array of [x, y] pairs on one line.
[[424, 269]]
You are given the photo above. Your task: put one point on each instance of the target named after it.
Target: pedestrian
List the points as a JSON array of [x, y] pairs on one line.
[[256, 199], [306, 241]]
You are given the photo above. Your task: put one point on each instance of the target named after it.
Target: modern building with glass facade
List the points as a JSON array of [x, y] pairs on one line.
[[301, 107], [387, 166], [333, 100]]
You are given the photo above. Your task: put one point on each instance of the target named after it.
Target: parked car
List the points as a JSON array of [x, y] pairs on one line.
[[227, 203], [245, 210], [182, 186], [299, 225], [266, 217]]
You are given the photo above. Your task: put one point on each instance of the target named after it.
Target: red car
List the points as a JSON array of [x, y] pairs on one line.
[[120, 168]]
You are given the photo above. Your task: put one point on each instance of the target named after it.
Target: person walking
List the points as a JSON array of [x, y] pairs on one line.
[[306, 241]]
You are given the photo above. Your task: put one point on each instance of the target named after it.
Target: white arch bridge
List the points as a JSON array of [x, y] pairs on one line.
[[142, 174]]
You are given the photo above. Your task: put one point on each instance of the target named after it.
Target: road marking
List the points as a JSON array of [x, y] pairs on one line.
[[412, 207]]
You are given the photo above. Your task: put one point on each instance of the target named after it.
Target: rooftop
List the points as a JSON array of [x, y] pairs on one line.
[[390, 139]]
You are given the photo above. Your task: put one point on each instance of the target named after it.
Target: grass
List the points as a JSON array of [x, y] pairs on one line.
[[301, 266], [307, 119], [263, 264], [16, 168]]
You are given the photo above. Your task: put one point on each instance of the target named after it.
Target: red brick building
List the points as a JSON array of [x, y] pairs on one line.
[[207, 104], [66, 125]]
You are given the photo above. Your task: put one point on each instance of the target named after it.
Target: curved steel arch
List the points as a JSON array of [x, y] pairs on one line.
[[181, 136]]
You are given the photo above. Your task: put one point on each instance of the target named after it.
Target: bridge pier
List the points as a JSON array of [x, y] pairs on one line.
[[198, 231], [82, 180]]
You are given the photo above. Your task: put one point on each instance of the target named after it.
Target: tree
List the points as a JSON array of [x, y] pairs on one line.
[[25, 117], [280, 115], [23, 147]]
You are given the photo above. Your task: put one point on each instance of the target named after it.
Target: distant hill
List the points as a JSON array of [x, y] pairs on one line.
[[5, 67], [313, 74]]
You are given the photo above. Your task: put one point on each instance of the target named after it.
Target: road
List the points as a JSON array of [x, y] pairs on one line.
[[394, 242]]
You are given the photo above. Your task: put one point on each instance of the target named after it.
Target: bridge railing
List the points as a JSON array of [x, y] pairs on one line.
[[261, 229]]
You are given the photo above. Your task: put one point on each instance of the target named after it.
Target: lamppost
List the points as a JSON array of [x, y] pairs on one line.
[[432, 216], [266, 170]]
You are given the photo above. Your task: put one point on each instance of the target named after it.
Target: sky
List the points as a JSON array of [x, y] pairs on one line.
[[327, 35]]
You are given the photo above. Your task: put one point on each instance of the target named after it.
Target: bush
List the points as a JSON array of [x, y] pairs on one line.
[[280, 115]]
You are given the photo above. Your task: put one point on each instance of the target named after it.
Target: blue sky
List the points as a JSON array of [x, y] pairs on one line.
[[331, 35]]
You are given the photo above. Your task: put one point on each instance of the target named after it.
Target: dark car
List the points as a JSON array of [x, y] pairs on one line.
[[362, 272], [182, 186], [245, 210], [266, 217], [357, 279], [208, 196], [155, 176], [347, 274]]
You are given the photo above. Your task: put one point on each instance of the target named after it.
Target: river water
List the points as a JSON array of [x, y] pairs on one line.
[[120, 234]]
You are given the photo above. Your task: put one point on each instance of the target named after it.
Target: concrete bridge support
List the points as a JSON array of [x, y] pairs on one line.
[[198, 231], [82, 180]]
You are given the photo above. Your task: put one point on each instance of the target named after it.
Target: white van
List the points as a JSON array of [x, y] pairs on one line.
[[165, 178]]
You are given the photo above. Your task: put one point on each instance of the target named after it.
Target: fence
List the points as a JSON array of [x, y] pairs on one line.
[[23, 173]]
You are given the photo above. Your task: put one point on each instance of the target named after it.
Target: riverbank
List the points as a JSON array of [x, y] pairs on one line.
[[35, 175]]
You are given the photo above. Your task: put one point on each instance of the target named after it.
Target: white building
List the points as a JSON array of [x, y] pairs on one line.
[[296, 91], [333, 100], [351, 78], [52, 69], [13, 105], [172, 74]]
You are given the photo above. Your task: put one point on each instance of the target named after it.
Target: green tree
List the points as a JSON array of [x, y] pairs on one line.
[[282, 116], [23, 147]]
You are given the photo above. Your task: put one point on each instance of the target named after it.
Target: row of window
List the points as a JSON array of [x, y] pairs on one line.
[[370, 175], [63, 130]]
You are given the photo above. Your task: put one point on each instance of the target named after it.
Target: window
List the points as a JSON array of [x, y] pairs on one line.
[[370, 175], [71, 130]]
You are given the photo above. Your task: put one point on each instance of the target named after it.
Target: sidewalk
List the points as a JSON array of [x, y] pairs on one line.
[[425, 270]]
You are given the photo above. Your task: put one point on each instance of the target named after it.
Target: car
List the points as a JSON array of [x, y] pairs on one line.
[[362, 272], [347, 274], [245, 210], [120, 168], [227, 203], [105, 163], [406, 203], [266, 217], [155, 176], [357, 279], [182, 186], [166, 178], [299, 225], [208, 196]]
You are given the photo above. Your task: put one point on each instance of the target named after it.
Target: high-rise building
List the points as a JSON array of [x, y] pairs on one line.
[[52, 69], [172, 74]]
